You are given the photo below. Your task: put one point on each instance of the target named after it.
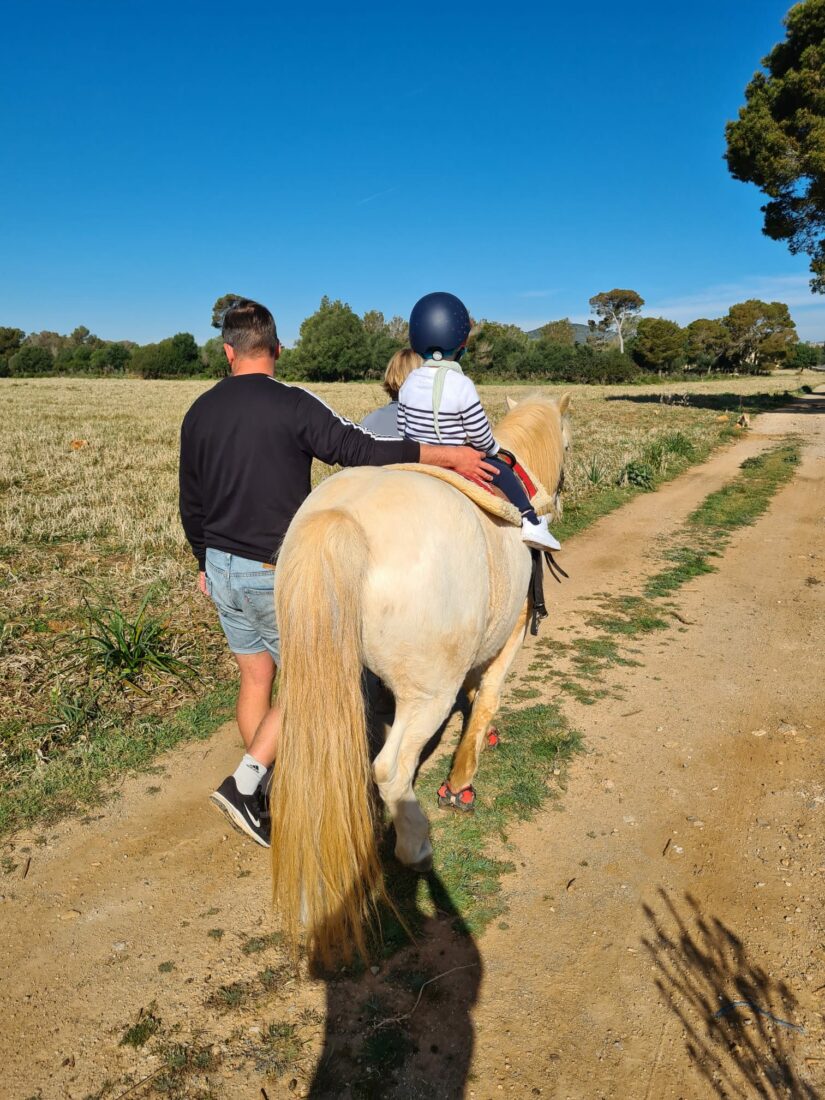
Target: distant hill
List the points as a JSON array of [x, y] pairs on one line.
[[579, 333]]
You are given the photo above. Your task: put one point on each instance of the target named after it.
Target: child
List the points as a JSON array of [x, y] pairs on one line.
[[438, 403]]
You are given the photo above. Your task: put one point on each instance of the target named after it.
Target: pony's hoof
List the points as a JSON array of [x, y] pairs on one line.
[[493, 739], [464, 800], [423, 866]]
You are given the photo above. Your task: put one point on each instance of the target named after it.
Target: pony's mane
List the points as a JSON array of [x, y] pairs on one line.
[[534, 431]]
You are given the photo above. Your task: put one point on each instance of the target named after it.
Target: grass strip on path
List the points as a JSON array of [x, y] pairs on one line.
[[693, 551], [709, 528]]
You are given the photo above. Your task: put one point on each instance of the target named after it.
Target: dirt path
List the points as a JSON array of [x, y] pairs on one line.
[[687, 866], [693, 837]]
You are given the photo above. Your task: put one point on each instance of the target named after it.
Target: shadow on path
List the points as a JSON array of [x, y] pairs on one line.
[[729, 402], [403, 1028], [405, 1031], [740, 1025]]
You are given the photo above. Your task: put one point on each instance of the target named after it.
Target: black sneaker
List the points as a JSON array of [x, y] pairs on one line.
[[244, 811], [262, 795]]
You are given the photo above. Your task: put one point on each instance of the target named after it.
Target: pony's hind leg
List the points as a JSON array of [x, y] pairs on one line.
[[416, 720], [485, 705]]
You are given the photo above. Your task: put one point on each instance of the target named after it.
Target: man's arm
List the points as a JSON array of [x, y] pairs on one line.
[[190, 501], [334, 439], [466, 461]]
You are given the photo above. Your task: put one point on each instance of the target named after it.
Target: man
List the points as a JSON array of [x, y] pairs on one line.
[[246, 454]]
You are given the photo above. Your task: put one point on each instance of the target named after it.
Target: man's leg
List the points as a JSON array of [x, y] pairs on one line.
[[255, 694], [264, 744], [246, 605]]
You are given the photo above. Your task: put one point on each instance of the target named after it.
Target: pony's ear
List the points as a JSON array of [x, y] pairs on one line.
[[564, 403], [511, 404]]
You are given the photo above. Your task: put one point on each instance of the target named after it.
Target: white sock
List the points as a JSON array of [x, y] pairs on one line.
[[248, 775]]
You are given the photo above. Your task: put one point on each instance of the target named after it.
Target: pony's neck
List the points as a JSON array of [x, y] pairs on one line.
[[539, 444]]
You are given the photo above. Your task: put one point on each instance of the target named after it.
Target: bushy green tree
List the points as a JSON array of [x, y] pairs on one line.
[[222, 304], [778, 141], [706, 343], [760, 335], [51, 341], [617, 313], [492, 345], [659, 344], [545, 361], [288, 366], [111, 358], [214, 360], [558, 332], [803, 357], [382, 342], [82, 336], [333, 345], [399, 329], [605, 368], [31, 360], [176, 357], [10, 341]]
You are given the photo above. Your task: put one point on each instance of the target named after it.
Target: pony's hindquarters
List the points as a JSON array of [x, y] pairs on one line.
[[326, 870]]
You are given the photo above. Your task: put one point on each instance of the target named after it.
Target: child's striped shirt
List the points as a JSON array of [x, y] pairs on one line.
[[461, 418]]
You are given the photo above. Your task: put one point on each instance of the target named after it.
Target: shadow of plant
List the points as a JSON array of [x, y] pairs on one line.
[[740, 1025]]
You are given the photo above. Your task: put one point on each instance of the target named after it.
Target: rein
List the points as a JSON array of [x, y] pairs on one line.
[[538, 610]]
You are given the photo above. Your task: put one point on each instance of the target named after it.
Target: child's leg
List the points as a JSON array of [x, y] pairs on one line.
[[512, 488]]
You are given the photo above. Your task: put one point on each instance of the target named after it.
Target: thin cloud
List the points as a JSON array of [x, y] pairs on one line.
[[377, 195], [715, 301]]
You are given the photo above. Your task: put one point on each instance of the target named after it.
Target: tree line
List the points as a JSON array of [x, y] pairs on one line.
[[336, 344]]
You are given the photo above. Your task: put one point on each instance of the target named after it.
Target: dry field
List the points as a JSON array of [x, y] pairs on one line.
[[88, 522]]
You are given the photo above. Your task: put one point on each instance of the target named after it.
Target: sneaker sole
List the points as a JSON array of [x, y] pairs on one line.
[[235, 818], [541, 546]]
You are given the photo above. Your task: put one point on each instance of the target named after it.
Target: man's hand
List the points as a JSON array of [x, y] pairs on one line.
[[202, 582], [466, 461]]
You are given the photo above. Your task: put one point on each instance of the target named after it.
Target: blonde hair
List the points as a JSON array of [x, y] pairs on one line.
[[401, 364]]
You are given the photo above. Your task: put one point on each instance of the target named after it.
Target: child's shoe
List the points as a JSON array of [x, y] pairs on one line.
[[539, 535]]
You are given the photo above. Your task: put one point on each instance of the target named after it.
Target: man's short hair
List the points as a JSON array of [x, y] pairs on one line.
[[249, 328]]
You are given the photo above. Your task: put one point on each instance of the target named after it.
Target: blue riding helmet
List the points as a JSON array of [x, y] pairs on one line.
[[439, 326]]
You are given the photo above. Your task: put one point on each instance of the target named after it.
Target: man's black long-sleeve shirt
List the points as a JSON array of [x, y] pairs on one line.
[[246, 451]]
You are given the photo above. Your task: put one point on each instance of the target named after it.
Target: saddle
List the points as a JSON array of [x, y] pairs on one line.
[[486, 496], [492, 500]]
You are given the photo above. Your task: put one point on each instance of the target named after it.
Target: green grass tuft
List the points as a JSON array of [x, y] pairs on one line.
[[148, 1024]]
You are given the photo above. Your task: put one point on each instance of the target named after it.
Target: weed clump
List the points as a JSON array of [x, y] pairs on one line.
[[638, 474], [147, 1025], [127, 649]]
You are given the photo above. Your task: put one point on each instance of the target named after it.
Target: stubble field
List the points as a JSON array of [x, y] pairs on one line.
[[89, 531]]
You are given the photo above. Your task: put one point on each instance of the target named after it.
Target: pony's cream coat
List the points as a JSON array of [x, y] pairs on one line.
[[398, 572]]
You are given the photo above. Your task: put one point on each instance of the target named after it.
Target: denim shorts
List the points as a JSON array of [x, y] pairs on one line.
[[243, 591]]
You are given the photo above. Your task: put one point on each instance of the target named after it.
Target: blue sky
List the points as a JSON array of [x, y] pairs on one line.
[[523, 156]]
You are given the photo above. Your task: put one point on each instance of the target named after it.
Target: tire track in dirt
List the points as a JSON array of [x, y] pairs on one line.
[[144, 881]]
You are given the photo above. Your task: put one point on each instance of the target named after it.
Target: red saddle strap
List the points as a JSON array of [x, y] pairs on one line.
[[518, 470]]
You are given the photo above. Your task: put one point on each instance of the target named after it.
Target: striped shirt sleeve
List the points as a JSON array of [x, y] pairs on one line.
[[476, 425]]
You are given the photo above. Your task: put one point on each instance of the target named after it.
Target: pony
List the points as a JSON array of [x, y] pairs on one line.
[[399, 573]]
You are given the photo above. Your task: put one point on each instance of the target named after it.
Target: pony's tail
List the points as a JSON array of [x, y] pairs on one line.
[[326, 869]]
